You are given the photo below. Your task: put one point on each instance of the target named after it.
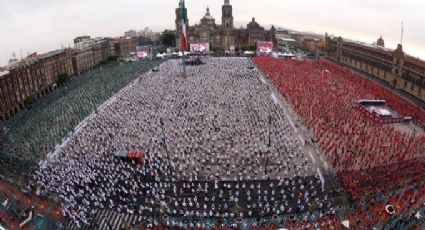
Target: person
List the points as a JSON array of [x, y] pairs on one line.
[[204, 137]]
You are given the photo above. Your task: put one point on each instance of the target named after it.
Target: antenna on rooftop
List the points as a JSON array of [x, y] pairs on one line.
[[22, 58], [402, 31]]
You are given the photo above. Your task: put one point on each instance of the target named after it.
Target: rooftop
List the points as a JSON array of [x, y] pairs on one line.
[[52, 53], [31, 59], [3, 72], [415, 60]]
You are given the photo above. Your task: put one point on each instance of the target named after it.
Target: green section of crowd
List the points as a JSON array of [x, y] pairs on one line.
[[30, 135]]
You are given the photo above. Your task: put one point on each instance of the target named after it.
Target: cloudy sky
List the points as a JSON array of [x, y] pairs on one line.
[[43, 25]]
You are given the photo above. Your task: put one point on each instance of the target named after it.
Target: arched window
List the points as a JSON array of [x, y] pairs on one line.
[[227, 25]]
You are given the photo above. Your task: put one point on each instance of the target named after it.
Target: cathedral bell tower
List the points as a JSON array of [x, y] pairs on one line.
[[179, 24], [227, 16], [179, 17]]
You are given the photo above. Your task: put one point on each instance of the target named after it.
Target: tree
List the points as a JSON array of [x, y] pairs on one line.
[[63, 77], [112, 58], [29, 101], [168, 38], [248, 48], [161, 50]]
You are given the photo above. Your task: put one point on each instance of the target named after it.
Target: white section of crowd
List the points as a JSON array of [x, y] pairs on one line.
[[217, 124]]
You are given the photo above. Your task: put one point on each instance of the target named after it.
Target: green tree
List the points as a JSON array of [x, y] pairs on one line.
[[29, 100], [63, 77], [161, 50], [248, 48], [112, 58], [168, 38]]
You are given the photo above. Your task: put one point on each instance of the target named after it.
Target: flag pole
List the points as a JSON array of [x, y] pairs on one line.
[[184, 36], [184, 61]]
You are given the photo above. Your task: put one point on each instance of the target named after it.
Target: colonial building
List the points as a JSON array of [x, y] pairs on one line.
[[125, 45], [24, 81], [380, 42], [89, 52], [30, 79], [393, 66], [222, 37], [82, 60], [55, 63]]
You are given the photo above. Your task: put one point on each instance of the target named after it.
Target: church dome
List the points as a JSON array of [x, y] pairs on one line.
[[380, 42], [208, 15]]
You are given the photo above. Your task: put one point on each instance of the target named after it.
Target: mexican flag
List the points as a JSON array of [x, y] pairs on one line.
[[184, 21]]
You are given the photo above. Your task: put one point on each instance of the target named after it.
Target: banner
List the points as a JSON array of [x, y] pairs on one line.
[[200, 47], [232, 49], [264, 48], [143, 52]]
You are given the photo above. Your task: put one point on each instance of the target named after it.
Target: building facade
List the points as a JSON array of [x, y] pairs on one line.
[[222, 36], [23, 81], [89, 53], [393, 66], [31, 79], [82, 60], [125, 45], [55, 63]]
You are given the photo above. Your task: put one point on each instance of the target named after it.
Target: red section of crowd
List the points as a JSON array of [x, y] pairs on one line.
[[369, 157]]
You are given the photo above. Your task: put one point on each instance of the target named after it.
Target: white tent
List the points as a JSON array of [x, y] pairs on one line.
[[185, 53], [346, 224], [418, 215]]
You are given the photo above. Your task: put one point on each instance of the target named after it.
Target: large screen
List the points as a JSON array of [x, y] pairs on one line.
[[264, 48], [200, 47], [143, 52]]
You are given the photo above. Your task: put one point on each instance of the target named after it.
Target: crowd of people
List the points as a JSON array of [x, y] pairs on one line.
[[216, 145], [31, 134], [371, 159]]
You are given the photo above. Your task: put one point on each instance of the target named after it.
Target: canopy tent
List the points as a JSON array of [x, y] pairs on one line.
[[137, 156], [346, 224], [382, 112], [133, 155]]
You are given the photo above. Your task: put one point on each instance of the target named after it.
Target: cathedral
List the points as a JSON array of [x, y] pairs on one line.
[[222, 37]]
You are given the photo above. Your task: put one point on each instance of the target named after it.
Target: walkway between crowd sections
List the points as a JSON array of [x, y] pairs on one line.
[[301, 132]]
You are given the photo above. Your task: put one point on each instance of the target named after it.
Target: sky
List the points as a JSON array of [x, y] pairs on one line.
[[44, 25]]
